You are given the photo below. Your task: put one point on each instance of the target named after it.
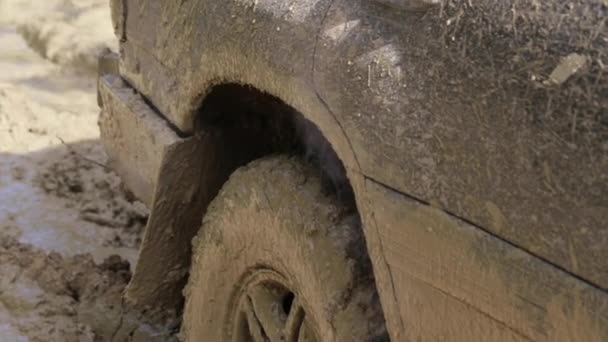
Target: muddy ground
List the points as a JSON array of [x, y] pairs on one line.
[[69, 233]]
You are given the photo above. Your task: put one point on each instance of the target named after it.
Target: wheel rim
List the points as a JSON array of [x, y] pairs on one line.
[[266, 310]]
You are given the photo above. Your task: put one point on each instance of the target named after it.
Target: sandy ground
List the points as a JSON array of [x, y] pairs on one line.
[[68, 232]]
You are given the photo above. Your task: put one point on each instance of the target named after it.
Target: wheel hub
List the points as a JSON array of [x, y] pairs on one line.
[[266, 310]]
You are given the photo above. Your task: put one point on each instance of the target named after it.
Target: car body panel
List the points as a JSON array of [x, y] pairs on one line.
[[457, 283], [452, 279], [417, 123], [422, 103], [449, 133]]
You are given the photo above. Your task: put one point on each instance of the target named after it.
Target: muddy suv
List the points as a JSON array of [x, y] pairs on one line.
[[365, 170]]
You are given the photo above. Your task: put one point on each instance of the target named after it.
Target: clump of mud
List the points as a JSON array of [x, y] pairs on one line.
[[44, 295], [91, 188], [50, 297]]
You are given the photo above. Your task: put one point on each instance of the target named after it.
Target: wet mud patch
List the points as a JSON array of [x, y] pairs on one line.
[[50, 297], [43, 297], [80, 178], [64, 217]]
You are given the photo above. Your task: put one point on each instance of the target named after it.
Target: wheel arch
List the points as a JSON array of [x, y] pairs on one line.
[[227, 153], [192, 73], [301, 99]]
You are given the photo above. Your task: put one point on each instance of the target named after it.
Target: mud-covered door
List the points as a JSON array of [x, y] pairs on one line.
[[502, 125]]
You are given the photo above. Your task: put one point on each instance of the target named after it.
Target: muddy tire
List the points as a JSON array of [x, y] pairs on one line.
[[278, 260]]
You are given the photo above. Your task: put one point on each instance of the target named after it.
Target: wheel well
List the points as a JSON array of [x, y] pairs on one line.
[[242, 124], [234, 125], [247, 124]]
